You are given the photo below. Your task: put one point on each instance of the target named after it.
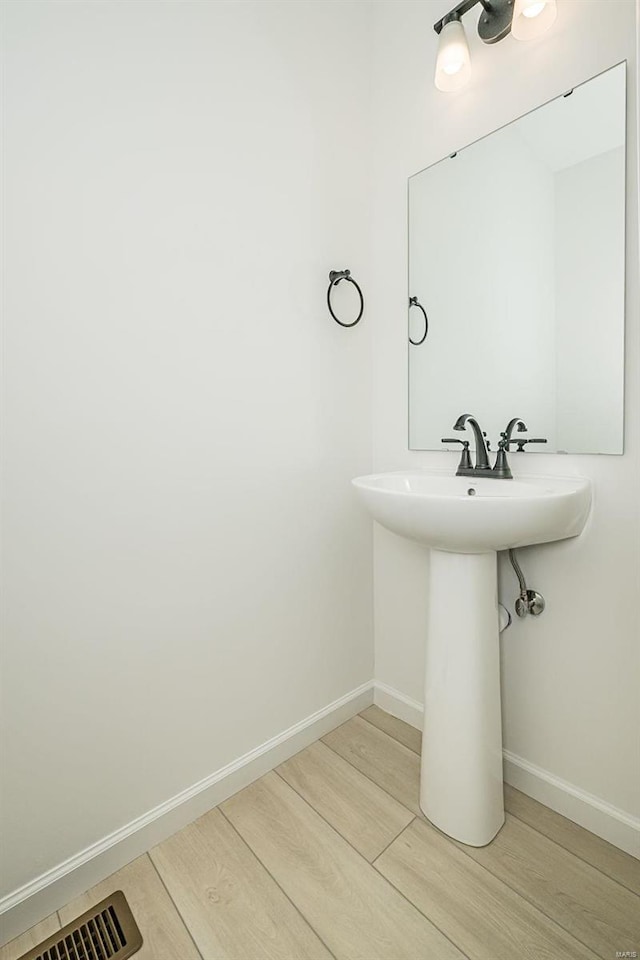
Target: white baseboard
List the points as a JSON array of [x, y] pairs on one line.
[[53, 889], [395, 703], [602, 818]]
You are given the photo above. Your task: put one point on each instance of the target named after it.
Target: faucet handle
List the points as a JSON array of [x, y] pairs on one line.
[[521, 443], [465, 459], [501, 467]]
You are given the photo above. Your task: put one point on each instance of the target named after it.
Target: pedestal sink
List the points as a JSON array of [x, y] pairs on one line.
[[465, 521]]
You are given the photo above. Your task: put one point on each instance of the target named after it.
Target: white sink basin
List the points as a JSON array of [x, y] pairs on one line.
[[465, 515], [465, 521]]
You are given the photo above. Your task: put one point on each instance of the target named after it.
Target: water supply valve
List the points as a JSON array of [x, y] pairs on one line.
[[531, 602]]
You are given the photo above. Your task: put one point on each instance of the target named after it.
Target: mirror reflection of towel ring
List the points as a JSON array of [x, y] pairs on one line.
[[414, 302], [335, 276]]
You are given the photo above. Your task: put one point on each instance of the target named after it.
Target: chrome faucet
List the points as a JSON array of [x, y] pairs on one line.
[[501, 469], [521, 441], [511, 426], [482, 453]]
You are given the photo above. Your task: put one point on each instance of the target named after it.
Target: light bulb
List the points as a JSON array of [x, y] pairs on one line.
[[453, 63], [532, 17]]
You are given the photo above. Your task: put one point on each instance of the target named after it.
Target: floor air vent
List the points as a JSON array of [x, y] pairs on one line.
[[106, 932]]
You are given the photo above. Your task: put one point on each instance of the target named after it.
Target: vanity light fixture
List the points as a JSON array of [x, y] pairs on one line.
[[532, 17], [453, 64], [526, 19]]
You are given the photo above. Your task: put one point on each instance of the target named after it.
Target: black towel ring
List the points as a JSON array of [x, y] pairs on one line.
[[335, 276], [414, 302]]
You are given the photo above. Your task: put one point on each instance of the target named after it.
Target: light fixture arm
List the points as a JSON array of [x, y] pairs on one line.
[[456, 14], [494, 23]]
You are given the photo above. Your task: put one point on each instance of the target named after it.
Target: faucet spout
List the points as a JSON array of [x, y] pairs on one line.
[[515, 424], [482, 455]]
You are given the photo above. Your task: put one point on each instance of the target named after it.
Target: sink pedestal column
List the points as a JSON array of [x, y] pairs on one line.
[[461, 788]]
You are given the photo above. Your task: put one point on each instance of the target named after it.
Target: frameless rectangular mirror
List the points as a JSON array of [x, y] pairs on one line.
[[516, 254]]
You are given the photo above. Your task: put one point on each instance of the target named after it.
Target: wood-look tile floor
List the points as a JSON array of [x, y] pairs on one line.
[[329, 856]]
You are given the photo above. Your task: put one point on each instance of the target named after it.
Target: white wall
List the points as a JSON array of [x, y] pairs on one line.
[[186, 574], [570, 678]]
